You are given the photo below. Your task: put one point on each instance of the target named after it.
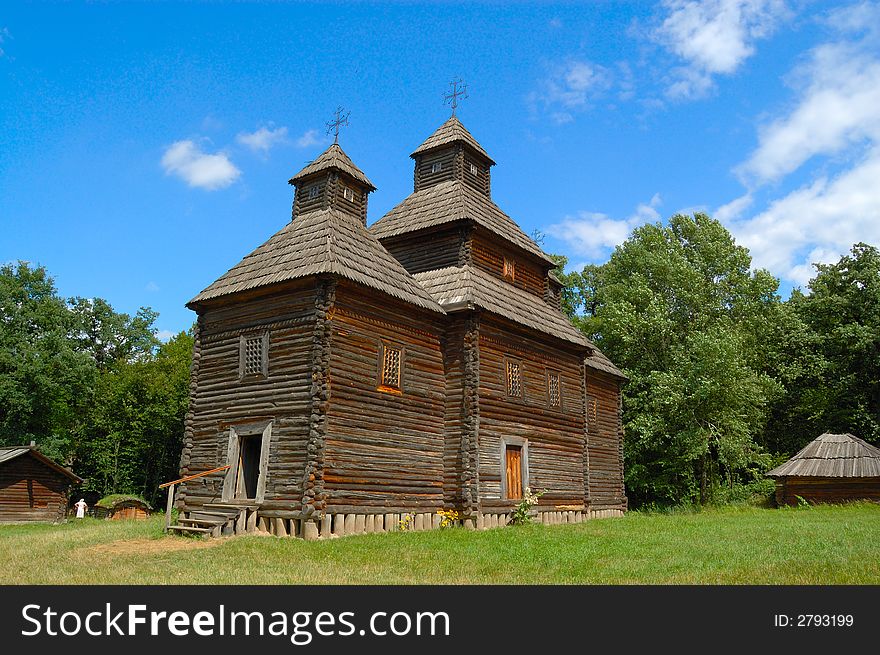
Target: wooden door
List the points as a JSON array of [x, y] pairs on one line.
[[514, 472]]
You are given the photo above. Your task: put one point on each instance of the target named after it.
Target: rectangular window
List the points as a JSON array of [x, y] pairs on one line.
[[592, 413], [509, 269], [314, 192], [514, 379], [437, 166], [513, 466], [348, 193], [391, 358], [473, 168], [253, 358], [554, 394]]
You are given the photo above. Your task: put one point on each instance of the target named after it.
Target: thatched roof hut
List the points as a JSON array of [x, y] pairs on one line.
[[832, 468]]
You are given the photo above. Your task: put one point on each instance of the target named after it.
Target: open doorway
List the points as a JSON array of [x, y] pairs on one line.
[[249, 466]]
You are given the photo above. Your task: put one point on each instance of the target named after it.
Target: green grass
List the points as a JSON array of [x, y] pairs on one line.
[[818, 545]]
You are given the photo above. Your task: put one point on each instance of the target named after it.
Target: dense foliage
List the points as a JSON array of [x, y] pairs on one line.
[[93, 387], [723, 374]]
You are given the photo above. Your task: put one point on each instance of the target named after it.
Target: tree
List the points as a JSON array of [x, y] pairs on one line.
[[678, 309]]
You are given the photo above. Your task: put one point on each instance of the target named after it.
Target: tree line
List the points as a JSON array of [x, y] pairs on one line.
[[93, 387], [726, 379]]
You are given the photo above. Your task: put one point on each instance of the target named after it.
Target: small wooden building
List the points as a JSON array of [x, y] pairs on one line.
[[833, 468], [122, 506], [32, 486], [346, 376]]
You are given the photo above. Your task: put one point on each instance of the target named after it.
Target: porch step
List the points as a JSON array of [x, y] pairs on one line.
[[202, 522], [190, 528], [211, 516]]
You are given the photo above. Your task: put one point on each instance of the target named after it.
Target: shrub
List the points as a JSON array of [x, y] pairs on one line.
[[521, 514]]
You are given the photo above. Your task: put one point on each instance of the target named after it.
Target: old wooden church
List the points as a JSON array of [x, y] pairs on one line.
[[348, 376]]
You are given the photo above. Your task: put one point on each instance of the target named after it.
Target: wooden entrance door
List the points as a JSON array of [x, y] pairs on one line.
[[514, 471], [249, 466]]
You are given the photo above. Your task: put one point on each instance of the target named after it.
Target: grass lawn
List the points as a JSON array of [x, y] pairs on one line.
[[818, 545]]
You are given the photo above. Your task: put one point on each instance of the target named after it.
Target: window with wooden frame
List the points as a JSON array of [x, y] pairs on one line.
[[592, 413], [390, 373], [348, 193], [554, 390], [253, 350], [474, 170], [513, 369], [509, 269], [314, 191], [437, 166]]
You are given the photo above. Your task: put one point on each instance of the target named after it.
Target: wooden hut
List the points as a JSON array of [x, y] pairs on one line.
[[349, 376], [122, 506], [32, 486], [833, 468]]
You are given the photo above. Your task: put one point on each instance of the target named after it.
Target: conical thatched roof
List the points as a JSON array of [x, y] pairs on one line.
[[833, 456]]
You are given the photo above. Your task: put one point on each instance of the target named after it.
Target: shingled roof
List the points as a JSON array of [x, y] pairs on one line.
[[333, 158], [833, 456], [323, 241], [451, 131], [8, 453], [452, 201]]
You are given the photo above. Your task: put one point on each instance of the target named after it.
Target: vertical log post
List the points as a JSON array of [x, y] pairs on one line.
[[169, 506]]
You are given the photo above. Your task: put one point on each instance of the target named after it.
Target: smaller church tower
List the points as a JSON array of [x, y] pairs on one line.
[[452, 153], [332, 181]]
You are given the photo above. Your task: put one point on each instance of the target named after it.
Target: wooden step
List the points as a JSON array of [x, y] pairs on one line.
[[202, 522], [190, 528], [231, 506], [211, 516]]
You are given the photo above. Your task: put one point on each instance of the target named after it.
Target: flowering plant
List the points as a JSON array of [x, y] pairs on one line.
[[448, 518], [521, 514], [407, 522]]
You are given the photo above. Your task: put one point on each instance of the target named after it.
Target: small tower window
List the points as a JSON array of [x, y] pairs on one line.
[[437, 166], [509, 269], [473, 168], [348, 193], [554, 394], [314, 191], [391, 358], [592, 413], [253, 358], [514, 378]]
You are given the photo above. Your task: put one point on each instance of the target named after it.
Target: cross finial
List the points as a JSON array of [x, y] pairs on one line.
[[339, 120], [459, 90]]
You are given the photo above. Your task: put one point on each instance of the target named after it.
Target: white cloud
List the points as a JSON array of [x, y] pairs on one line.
[[822, 219], [592, 234], [164, 335], [733, 209], [263, 140], [713, 37], [569, 87], [308, 138], [199, 169]]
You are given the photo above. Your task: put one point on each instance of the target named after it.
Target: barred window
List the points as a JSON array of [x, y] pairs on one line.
[[314, 191], [391, 367], [592, 412], [437, 166], [509, 269], [252, 351], [553, 391], [514, 378], [348, 193], [473, 168]]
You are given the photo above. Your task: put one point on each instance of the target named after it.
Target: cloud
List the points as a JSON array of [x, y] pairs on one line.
[[199, 169], [592, 234], [308, 138], [818, 222], [569, 87], [263, 140], [713, 37], [165, 335], [152, 287]]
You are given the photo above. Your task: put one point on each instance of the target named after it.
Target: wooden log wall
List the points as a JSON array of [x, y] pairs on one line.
[[424, 177], [32, 491], [555, 435], [605, 443], [331, 193], [384, 449], [826, 490], [422, 251], [221, 399], [482, 180], [488, 253], [302, 202]]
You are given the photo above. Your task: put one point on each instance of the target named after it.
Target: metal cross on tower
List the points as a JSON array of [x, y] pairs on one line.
[[459, 90], [340, 120]]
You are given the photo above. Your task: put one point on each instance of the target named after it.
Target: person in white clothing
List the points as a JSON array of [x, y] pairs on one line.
[[81, 508]]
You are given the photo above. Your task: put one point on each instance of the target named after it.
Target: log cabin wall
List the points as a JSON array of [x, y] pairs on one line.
[[427, 250], [826, 490], [32, 491], [555, 435], [605, 441], [384, 448], [221, 398], [489, 253], [434, 167]]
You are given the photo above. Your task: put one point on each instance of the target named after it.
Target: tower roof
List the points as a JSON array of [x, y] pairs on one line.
[[833, 456], [324, 241], [451, 131], [333, 158], [448, 202]]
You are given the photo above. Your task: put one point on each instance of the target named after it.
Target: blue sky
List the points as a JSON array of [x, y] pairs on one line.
[[145, 149]]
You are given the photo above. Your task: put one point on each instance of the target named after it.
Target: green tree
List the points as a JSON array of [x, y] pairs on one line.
[[678, 309]]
